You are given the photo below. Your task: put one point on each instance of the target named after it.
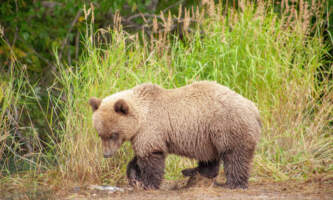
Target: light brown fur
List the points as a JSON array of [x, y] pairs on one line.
[[204, 121]]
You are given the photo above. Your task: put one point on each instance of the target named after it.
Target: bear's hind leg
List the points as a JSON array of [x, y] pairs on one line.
[[237, 167], [190, 171], [209, 169]]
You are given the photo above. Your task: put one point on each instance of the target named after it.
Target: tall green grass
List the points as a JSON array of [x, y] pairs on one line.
[[264, 56]]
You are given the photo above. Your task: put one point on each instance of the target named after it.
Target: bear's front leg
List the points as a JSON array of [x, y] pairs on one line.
[[146, 171], [134, 173]]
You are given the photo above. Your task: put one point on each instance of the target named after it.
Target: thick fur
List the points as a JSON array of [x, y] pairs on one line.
[[204, 121]]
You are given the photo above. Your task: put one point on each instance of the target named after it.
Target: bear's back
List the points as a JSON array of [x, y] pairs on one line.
[[201, 99]]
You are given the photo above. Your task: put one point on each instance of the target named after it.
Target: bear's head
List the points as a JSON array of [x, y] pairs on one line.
[[115, 122]]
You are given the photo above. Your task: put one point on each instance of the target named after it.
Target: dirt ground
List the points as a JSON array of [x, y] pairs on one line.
[[201, 188]]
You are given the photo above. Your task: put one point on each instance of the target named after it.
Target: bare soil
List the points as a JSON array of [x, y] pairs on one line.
[[202, 188]]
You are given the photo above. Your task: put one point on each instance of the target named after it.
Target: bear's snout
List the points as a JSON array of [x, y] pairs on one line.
[[110, 147], [108, 152]]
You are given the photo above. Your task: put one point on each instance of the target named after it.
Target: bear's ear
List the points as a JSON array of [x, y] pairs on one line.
[[121, 107], [94, 103]]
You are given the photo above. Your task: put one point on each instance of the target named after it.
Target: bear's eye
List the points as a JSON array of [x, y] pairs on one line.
[[114, 136]]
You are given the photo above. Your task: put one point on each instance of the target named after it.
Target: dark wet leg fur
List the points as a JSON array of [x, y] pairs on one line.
[[237, 167], [208, 169], [133, 173], [190, 171], [146, 172]]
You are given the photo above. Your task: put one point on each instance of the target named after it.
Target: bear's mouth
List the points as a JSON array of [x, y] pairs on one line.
[[107, 155]]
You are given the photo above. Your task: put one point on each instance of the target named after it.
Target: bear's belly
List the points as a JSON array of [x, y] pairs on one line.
[[204, 151]]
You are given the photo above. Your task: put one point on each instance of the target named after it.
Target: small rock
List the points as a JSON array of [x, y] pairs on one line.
[[108, 188], [76, 189]]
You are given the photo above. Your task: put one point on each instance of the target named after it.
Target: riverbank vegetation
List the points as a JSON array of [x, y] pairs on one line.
[[275, 53]]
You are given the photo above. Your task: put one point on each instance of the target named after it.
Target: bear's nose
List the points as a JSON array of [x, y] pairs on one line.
[[107, 155]]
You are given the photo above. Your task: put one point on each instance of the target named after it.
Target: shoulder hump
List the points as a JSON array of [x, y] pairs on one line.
[[147, 90]]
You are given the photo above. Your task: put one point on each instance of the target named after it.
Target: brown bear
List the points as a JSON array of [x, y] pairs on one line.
[[204, 121]]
